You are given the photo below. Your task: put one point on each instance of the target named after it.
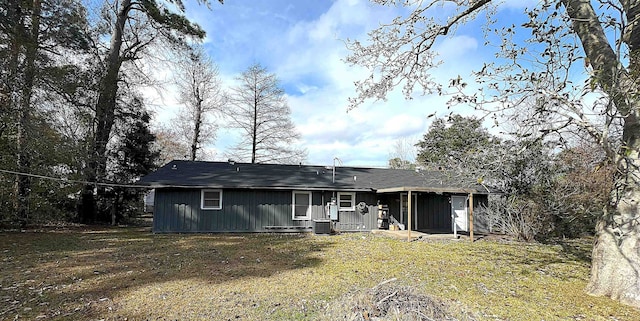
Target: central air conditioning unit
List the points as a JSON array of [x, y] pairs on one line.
[[322, 226]]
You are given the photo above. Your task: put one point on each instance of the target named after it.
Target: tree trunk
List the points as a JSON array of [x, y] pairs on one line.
[[104, 118], [615, 270], [198, 123], [254, 134], [23, 159]]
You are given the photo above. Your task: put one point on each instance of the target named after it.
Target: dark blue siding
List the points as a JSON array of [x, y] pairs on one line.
[[247, 210], [353, 221], [178, 210], [434, 212]]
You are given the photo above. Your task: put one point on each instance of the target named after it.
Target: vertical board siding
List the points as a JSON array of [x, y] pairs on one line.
[[480, 223], [243, 210], [434, 212], [393, 202], [352, 221], [178, 210], [168, 203]]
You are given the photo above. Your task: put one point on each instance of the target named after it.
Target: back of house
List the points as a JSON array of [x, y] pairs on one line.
[[194, 196]]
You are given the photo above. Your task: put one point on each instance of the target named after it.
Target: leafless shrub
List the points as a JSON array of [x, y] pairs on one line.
[[515, 216], [387, 301]]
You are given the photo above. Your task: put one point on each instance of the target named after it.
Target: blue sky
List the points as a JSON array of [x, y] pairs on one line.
[[302, 42]]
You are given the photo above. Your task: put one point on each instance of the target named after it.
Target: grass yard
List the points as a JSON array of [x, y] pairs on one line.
[[131, 274]]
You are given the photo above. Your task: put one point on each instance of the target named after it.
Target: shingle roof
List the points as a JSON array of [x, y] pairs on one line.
[[199, 174]]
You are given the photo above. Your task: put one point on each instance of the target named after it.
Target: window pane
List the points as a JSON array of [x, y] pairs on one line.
[[345, 200], [211, 195], [211, 203], [211, 199], [302, 199], [345, 197], [301, 211], [301, 205]]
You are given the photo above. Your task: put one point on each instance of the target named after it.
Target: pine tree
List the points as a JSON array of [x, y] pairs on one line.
[[136, 26], [33, 36]]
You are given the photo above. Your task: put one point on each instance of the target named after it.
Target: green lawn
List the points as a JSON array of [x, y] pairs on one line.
[[128, 273]]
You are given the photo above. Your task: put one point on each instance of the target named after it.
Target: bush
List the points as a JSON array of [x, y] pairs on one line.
[[516, 216]]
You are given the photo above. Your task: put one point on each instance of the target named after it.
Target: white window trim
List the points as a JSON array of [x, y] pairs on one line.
[[293, 206], [202, 207], [353, 201]]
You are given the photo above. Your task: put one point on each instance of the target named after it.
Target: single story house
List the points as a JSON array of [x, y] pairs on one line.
[[197, 196]]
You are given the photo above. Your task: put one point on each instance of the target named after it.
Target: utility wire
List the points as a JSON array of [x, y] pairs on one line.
[[71, 180]]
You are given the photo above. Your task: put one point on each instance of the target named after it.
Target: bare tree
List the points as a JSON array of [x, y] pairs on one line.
[[581, 189], [169, 144], [201, 93], [539, 60], [173, 141], [258, 108], [403, 154]]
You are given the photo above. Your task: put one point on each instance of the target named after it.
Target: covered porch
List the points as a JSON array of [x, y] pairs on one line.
[[432, 211]]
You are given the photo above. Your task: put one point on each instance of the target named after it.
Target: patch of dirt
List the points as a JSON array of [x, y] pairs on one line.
[[387, 301]]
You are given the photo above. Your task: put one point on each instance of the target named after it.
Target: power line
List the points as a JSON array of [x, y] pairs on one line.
[[71, 181]]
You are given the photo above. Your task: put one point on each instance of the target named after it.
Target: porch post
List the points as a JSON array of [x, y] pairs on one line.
[[409, 216], [471, 217]]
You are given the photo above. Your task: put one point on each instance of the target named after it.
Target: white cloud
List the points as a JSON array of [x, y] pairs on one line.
[[306, 54], [403, 125]]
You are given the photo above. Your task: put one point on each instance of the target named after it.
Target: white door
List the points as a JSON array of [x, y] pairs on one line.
[[459, 213]]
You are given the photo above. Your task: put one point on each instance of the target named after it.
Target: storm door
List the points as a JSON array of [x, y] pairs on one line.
[[459, 213]]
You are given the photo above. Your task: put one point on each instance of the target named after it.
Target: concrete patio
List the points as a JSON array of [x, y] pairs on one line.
[[415, 235]]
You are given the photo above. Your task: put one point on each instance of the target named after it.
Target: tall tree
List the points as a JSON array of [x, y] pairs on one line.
[[31, 45], [132, 27], [453, 142], [258, 107], [34, 37], [201, 93], [133, 156], [539, 59]]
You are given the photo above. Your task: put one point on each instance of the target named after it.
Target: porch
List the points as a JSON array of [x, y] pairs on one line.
[[432, 212]]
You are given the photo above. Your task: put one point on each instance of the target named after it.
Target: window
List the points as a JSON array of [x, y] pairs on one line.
[[347, 201], [301, 205], [211, 199]]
